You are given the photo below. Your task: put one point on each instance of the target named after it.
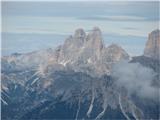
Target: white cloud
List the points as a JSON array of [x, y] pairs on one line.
[[135, 78]]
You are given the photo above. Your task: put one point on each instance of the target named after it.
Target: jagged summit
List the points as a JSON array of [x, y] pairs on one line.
[[81, 39], [156, 31], [96, 30], [114, 48], [113, 45], [80, 52], [88, 49], [80, 33], [94, 38], [152, 48]]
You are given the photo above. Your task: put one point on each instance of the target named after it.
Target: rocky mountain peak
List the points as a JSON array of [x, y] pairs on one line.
[[152, 48], [97, 30], [114, 53], [80, 52], [114, 46], [80, 33], [94, 38], [80, 40]]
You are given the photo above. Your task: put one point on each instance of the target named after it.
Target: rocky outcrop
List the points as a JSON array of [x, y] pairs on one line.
[[80, 52], [87, 52], [152, 48]]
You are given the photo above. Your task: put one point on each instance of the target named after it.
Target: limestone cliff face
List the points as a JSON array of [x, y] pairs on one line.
[[90, 46], [87, 51], [152, 48]]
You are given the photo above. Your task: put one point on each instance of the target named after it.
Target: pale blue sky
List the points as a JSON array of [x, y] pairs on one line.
[[29, 26]]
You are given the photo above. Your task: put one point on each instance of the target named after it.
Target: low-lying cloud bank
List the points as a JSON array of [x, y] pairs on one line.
[[135, 78]]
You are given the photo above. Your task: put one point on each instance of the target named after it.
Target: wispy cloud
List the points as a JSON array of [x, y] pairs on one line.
[[135, 78], [130, 28], [24, 30], [67, 25], [116, 18]]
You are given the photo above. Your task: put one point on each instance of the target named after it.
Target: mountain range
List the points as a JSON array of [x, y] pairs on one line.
[[82, 79]]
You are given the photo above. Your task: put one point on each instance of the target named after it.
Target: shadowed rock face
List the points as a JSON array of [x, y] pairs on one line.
[[152, 48]]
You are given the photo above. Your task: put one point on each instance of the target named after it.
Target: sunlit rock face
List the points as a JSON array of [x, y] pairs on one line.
[[89, 51], [152, 48]]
